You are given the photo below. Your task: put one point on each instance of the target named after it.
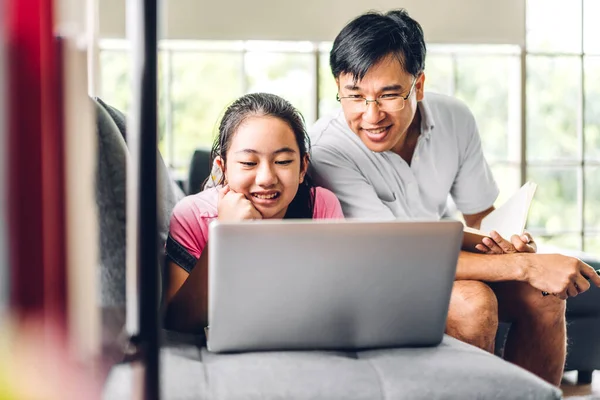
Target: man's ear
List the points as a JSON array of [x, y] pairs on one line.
[[420, 87], [305, 161]]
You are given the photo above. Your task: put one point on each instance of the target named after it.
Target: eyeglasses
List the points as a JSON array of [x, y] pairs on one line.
[[386, 102]]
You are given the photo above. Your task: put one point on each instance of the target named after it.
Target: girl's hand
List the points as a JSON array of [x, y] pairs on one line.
[[233, 206]]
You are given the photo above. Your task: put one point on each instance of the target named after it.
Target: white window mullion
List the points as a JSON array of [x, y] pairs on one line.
[[454, 81], [168, 106], [316, 67], [523, 82], [243, 73]]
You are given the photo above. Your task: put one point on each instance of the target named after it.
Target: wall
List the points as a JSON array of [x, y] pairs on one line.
[[444, 21]]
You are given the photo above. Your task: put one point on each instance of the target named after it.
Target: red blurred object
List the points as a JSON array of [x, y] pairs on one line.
[[36, 184]]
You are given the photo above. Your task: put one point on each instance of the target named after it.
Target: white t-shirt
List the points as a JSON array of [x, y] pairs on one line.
[[448, 159]]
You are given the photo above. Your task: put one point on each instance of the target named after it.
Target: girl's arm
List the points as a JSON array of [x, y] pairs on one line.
[[187, 293], [187, 296]]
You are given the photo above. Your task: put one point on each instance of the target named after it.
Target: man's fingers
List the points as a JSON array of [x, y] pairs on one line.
[[572, 290], [504, 244], [522, 244], [482, 248], [530, 241], [562, 295], [590, 274], [581, 284], [492, 246]]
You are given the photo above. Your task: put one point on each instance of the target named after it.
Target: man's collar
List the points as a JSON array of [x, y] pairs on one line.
[[427, 122]]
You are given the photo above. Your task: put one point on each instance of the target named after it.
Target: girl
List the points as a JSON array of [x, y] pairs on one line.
[[262, 154]]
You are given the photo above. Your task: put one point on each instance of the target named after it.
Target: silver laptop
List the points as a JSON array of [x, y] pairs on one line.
[[302, 284]]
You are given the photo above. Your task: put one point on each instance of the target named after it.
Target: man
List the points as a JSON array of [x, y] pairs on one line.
[[394, 152]]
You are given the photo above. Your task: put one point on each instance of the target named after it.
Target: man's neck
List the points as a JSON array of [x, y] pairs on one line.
[[406, 146]]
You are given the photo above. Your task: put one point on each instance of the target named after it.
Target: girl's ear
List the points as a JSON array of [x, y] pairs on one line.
[[219, 162], [218, 171], [304, 168]]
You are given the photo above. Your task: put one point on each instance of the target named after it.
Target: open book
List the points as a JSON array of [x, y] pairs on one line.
[[508, 219]]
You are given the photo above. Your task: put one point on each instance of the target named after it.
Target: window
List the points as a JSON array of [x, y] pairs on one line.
[[563, 122], [198, 79], [537, 109], [201, 85], [115, 86]]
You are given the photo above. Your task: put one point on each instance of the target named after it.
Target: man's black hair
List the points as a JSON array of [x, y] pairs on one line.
[[373, 36]]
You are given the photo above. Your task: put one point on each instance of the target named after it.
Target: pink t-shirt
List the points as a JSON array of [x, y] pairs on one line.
[[192, 215]]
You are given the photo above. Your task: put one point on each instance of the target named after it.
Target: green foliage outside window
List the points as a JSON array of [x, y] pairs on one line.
[[203, 83]]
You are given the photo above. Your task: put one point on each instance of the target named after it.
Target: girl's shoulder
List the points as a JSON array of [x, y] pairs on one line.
[[199, 205], [326, 204], [190, 220], [323, 194]]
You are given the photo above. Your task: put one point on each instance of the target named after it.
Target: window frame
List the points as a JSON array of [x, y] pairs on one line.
[[317, 49]]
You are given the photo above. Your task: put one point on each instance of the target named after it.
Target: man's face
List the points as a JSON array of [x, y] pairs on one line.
[[381, 130]]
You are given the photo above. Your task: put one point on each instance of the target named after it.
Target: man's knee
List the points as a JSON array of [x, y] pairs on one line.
[[532, 305], [473, 313]]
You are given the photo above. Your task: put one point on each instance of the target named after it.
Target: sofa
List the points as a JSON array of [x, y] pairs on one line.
[[199, 170], [583, 327], [451, 370], [583, 312]]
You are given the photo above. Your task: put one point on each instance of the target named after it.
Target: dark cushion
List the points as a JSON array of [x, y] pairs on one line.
[[199, 170]]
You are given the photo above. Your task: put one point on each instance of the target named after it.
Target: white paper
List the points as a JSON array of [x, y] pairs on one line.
[[510, 218]]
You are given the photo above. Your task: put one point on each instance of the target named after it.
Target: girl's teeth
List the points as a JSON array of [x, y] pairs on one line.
[[266, 197]]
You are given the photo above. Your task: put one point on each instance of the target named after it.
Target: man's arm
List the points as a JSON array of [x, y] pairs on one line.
[[490, 268], [474, 220], [553, 273], [481, 267], [484, 267]]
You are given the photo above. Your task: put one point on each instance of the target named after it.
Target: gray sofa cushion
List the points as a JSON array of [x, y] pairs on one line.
[[110, 197], [111, 178], [111, 193], [452, 370]]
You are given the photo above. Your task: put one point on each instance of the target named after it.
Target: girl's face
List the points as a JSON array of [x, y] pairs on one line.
[[263, 163]]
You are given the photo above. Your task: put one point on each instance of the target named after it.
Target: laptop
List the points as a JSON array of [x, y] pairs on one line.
[[325, 284]]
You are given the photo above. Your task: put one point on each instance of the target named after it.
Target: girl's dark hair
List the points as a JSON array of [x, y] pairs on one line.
[[266, 104], [370, 37]]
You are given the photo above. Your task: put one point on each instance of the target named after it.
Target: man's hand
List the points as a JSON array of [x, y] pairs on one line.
[[233, 206], [496, 244], [560, 275]]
